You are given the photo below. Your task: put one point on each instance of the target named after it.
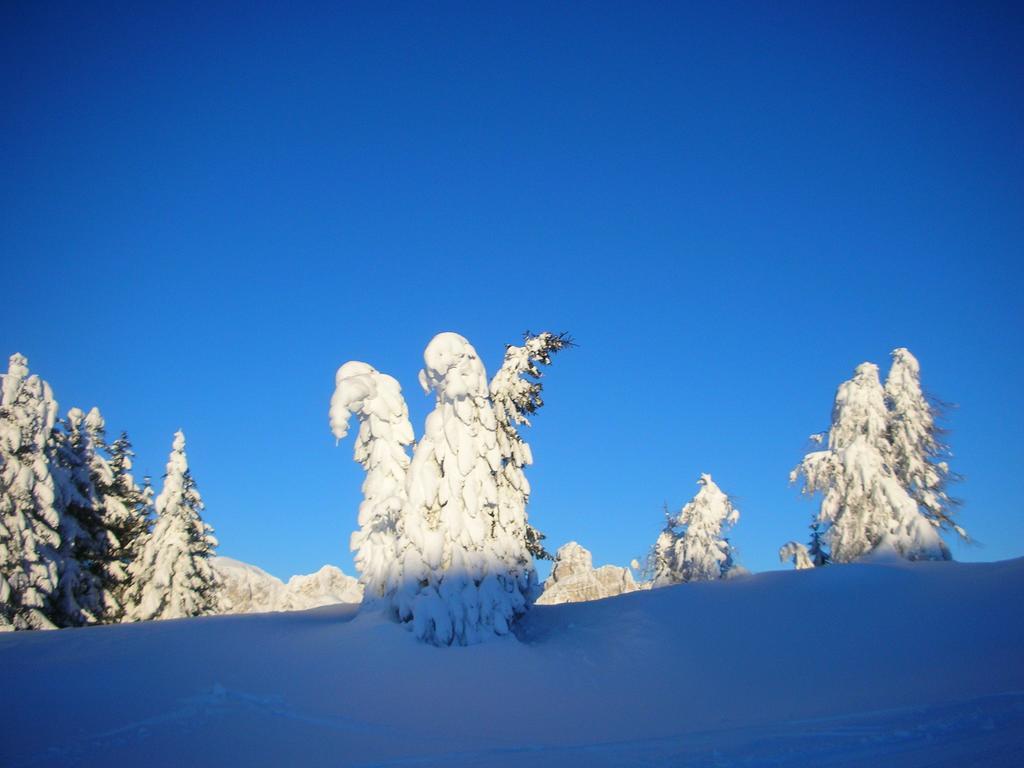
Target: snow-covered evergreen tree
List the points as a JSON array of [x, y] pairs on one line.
[[29, 520], [863, 502], [918, 453], [380, 447], [85, 542], [174, 577], [125, 509], [465, 572], [516, 394], [798, 553], [692, 547], [661, 562]]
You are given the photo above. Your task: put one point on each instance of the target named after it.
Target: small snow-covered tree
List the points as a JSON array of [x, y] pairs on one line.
[[918, 453], [465, 575], [516, 394], [174, 576], [85, 542], [659, 565], [863, 502], [29, 519], [692, 547], [797, 552], [125, 509], [380, 447]]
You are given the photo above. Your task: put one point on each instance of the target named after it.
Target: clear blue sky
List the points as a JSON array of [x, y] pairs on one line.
[[205, 212]]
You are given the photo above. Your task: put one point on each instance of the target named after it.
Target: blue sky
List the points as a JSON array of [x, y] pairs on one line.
[[205, 212]]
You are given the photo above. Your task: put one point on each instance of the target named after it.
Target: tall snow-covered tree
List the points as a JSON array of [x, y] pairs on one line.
[[29, 519], [466, 573], [692, 547], [375, 399], [516, 394], [85, 542], [918, 453], [174, 576], [863, 501], [125, 509]]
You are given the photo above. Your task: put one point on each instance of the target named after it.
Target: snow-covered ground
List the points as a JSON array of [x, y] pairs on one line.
[[875, 664]]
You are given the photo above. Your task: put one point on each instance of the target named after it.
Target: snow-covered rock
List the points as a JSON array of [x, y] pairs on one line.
[[248, 589], [327, 586], [575, 580]]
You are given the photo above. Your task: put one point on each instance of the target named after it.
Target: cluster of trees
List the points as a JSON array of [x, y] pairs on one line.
[[79, 541], [882, 476], [444, 544]]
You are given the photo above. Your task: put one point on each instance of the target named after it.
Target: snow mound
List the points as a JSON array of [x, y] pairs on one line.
[[248, 589], [868, 664], [575, 580]]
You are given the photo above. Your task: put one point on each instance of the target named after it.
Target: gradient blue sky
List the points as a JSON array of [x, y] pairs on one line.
[[206, 211]]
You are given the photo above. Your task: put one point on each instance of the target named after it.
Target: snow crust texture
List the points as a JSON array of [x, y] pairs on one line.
[[575, 580]]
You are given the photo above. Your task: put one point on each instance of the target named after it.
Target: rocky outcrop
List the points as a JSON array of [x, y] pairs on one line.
[[575, 580], [327, 586], [248, 589]]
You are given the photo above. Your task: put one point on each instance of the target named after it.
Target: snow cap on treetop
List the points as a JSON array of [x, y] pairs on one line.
[[17, 370], [902, 356], [94, 420], [864, 370], [453, 367], [354, 384]]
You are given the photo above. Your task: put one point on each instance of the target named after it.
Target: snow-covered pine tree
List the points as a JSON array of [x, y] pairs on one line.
[[174, 577], [85, 542], [125, 510], [661, 567], [29, 520], [918, 453], [698, 551], [863, 502], [464, 574], [516, 395], [797, 552], [380, 447]]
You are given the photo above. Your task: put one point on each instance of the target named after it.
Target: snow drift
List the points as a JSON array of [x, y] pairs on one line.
[[881, 663]]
